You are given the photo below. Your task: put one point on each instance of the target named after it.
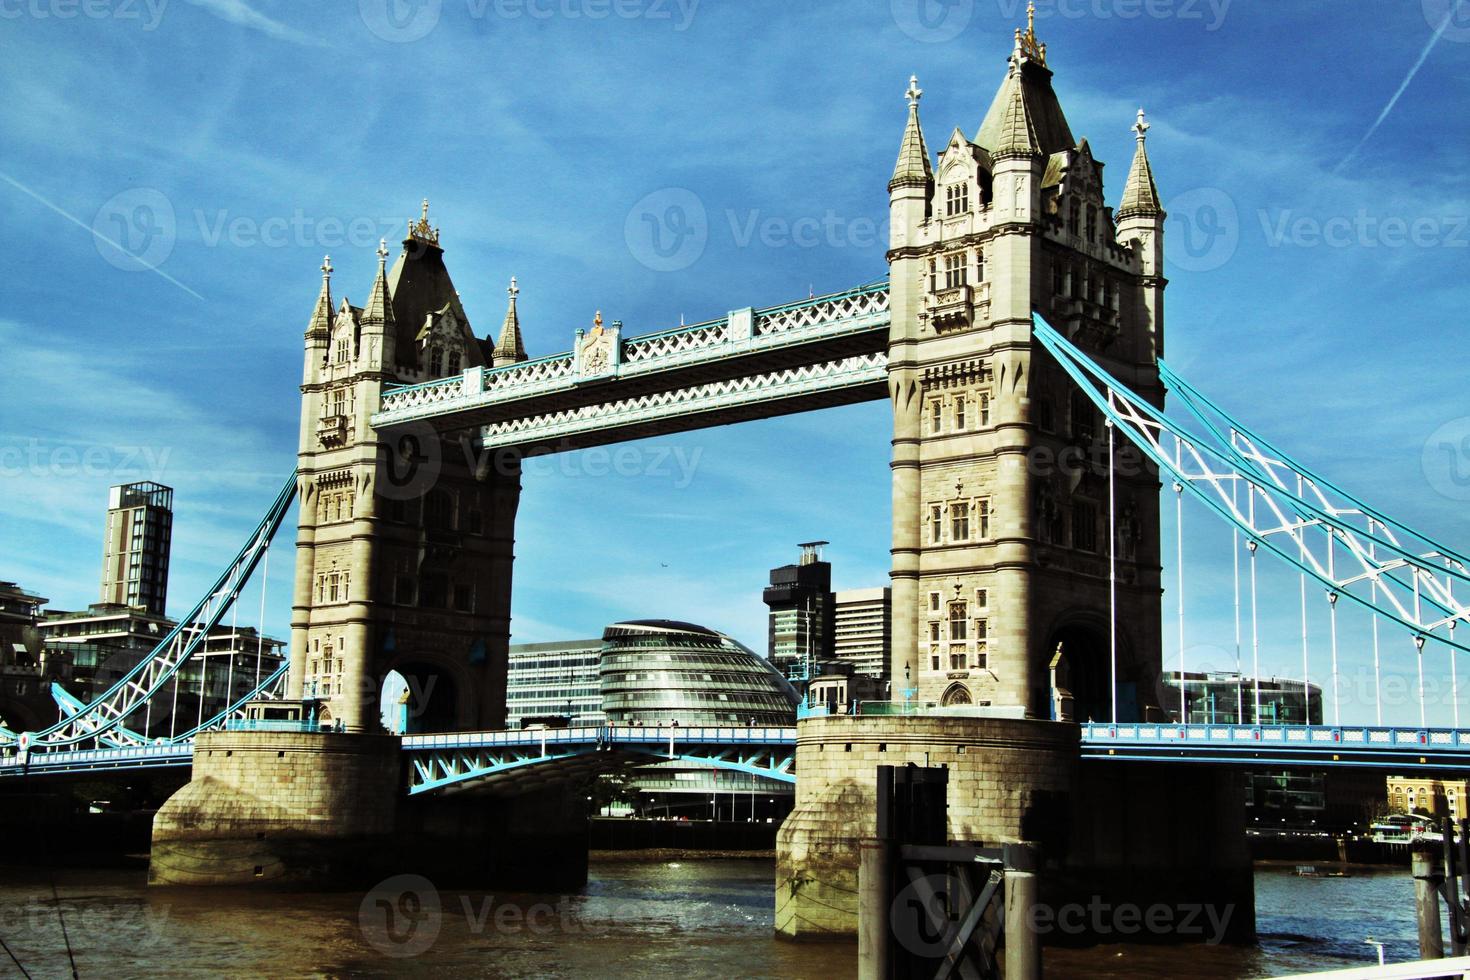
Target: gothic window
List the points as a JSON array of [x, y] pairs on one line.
[[1073, 218], [957, 658], [954, 270], [982, 598], [982, 634], [959, 521], [1058, 279], [1091, 223], [933, 275], [934, 604], [433, 591], [342, 348], [1075, 281], [956, 199], [1110, 294], [979, 267], [1045, 418], [438, 511], [464, 598], [958, 620], [453, 366], [936, 524], [959, 413], [982, 518], [436, 356], [984, 401], [934, 631], [1083, 428], [1084, 525], [332, 587], [936, 417]]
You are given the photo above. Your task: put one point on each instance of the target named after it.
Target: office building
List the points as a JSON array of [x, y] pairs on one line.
[[801, 617], [554, 683], [136, 545], [861, 627]]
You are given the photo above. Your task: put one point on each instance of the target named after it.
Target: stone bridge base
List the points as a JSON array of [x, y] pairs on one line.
[[1121, 841], [327, 809]]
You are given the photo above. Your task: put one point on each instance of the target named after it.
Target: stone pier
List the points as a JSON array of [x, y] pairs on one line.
[[1110, 833]]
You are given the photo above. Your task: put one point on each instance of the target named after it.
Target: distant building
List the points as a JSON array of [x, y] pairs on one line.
[[1219, 698], [90, 650], [840, 687], [554, 681], [862, 621], [136, 546], [656, 671], [1436, 797], [20, 611], [801, 617]]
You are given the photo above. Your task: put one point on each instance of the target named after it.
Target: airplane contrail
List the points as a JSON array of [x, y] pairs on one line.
[[1423, 56]]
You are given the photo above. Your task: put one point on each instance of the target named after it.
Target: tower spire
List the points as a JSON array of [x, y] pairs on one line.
[[510, 349], [913, 168], [422, 230], [1140, 195], [379, 308], [321, 317]]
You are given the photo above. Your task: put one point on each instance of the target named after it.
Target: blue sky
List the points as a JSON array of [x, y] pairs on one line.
[[1318, 249]]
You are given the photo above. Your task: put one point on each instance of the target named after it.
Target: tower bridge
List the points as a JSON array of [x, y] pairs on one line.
[[1022, 314]]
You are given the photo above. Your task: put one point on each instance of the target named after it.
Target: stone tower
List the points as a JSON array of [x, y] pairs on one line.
[[1000, 464], [405, 539]]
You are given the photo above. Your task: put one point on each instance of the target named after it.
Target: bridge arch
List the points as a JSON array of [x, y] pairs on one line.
[[425, 692], [1086, 671]]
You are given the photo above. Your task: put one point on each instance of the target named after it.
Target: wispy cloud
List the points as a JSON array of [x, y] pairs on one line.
[[241, 13]]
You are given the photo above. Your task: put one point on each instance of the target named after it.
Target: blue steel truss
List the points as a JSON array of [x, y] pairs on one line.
[[440, 762], [1352, 550], [1300, 746], [108, 712], [272, 688]]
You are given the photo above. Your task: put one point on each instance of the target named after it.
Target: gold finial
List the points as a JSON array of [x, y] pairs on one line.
[[422, 231], [1026, 43]]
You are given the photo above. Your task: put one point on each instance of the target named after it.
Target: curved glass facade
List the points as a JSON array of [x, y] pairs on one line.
[[659, 671]]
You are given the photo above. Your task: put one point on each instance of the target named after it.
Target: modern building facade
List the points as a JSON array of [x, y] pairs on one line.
[[861, 623], [135, 546], [555, 681], [1001, 541], [801, 616], [1229, 698], [658, 671]]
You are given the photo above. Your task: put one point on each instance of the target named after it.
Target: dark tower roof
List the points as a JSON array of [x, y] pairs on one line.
[[420, 285]]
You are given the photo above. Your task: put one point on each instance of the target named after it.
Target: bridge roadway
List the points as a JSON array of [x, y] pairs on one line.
[[499, 762]]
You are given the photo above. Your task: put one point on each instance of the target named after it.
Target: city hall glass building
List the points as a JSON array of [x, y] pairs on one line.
[[656, 671]]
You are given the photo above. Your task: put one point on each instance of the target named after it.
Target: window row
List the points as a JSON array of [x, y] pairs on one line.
[[332, 586], [963, 412], [959, 521], [1091, 285], [433, 591], [954, 269]]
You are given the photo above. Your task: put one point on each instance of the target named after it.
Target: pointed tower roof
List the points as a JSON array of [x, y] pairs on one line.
[[321, 317], [1140, 195], [419, 285], [379, 308], [510, 349], [1025, 115], [913, 168]]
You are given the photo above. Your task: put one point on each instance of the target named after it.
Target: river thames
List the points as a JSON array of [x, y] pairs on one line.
[[676, 918]]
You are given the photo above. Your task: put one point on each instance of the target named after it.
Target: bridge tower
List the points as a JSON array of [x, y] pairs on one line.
[[405, 543], [1001, 498]]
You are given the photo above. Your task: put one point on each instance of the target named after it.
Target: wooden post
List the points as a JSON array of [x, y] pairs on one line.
[[1426, 902], [874, 898]]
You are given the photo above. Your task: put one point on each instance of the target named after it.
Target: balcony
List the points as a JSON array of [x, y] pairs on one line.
[[332, 431], [957, 307]]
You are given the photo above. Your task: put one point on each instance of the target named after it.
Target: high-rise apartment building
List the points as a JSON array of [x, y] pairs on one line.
[[800, 599], [136, 544], [861, 619]]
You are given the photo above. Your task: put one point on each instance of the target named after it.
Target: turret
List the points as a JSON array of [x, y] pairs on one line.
[[509, 349], [1140, 220], [379, 328], [319, 328], [912, 185]]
